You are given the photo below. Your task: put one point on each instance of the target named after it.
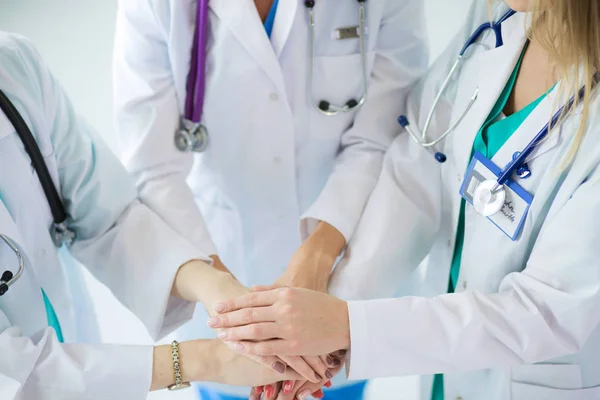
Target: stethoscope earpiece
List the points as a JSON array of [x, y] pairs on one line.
[[6, 277], [309, 3], [440, 157], [351, 103]]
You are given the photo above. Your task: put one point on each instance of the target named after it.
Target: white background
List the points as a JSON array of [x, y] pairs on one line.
[[75, 38]]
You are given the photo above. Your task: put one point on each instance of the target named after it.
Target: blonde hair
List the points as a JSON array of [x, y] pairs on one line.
[[570, 31]]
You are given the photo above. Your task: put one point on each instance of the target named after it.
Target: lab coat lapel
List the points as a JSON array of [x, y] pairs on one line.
[[22, 304], [284, 20], [491, 70], [241, 17]]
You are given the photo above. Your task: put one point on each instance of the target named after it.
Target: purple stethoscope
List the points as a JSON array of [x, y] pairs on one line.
[[192, 135]]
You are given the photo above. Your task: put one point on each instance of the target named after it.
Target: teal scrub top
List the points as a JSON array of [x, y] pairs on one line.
[[52, 318], [492, 136]]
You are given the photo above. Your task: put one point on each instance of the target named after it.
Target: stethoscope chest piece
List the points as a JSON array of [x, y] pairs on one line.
[[191, 137], [489, 198]]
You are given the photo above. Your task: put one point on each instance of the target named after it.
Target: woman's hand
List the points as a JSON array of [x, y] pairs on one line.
[[285, 321], [211, 360]]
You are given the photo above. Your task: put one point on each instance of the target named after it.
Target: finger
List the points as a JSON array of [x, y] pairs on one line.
[[306, 390], [272, 391], [330, 361], [299, 365], [269, 389], [242, 317], [254, 332], [255, 393], [271, 362], [339, 353], [264, 288], [327, 384], [256, 299], [319, 367], [335, 362], [288, 386], [265, 348], [288, 392]]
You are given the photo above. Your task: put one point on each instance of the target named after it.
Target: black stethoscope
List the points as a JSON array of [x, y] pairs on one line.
[[60, 231]]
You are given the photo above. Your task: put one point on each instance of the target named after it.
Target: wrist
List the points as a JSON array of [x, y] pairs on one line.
[[198, 360], [344, 339], [326, 243]]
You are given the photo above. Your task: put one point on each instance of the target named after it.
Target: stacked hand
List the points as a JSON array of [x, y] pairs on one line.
[[269, 320]]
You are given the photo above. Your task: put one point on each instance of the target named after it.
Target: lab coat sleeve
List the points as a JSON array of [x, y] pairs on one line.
[[41, 368], [147, 116], [402, 216], [122, 242], [397, 228], [400, 58], [546, 311]]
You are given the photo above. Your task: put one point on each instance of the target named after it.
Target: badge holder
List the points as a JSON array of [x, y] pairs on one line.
[[515, 200]]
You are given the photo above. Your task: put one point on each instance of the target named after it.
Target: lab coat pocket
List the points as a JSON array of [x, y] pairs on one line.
[[549, 381], [523, 391], [337, 80]]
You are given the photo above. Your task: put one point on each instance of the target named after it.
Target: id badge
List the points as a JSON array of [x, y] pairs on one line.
[[511, 217]]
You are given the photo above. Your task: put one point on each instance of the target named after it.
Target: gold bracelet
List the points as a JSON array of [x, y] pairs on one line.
[[179, 384]]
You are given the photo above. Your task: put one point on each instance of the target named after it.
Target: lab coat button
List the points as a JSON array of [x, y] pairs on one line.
[[274, 96], [449, 243], [459, 178], [465, 285]]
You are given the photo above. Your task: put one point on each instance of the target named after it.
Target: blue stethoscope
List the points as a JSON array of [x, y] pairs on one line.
[[489, 196], [496, 27]]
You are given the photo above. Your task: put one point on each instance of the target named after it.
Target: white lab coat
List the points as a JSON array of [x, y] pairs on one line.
[[534, 300], [124, 244], [274, 163]]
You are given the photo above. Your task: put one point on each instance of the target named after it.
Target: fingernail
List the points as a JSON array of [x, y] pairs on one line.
[[342, 352], [222, 335], [219, 307], [327, 384], [287, 387], [259, 389], [269, 391], [328, 375], [336, 362], [329, 360], [238, 346], [318, 394], [212, 322], [279, 367], [304, 394], [319, 377]]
